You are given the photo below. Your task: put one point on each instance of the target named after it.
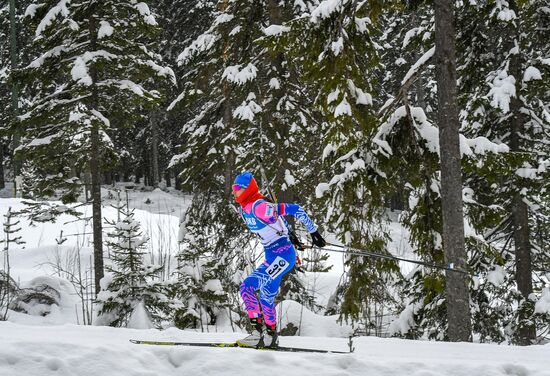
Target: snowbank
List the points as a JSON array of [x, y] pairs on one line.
[[308, 323], [84, 350]]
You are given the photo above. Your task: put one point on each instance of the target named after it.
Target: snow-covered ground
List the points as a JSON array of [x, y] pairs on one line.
[[85, 350], [54, 345]]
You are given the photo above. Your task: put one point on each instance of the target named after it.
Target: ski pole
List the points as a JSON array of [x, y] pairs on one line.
[[361, 252]]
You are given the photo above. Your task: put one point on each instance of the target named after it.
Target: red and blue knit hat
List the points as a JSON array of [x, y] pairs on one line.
[[248, 183]]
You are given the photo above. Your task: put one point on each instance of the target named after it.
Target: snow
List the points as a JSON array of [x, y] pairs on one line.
[[33, 345], [273, 30], [236, 30], [247, 110], [203, 43], [235, 74], [223, 18], [79, 72], [86, 350], [496, 276], [105, 30], [531, 73], [361, 24], [503, 11], [289, 179], [411, 34], [329, 148], [405, 320], [420, 62], [430, 134], [60, 9], [131, 86], [309, 323], [214, 285], [321, 189], [140, 318], [543, 305], [343, 108], [332, 96], [31, 10], [274, 83], [144, 11], [337, 46], [326, 8], [503, 88]]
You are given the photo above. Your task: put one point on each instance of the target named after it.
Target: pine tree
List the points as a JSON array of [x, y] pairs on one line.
[[409, 139], [8, 287], [456, 284], [131, 282], [246, 103], [333, 47], [92, 73], [9, 79], [503, 47], [4, 87]]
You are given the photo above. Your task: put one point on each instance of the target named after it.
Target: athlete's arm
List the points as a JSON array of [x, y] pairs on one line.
[[298, 212]]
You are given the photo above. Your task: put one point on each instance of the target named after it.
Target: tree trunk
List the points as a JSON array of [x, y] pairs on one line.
[[520, 214], [96, 207], [168, 178], [2, 181], [95, 160], [108, 177], [177, 182], [15, 99], [456, 287], [230, 161], [154, 122]]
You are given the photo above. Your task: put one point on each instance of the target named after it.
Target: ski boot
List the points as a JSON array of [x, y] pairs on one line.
[[256, 338], [271, 338]]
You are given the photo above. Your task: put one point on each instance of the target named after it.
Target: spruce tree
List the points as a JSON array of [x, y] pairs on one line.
[[131, 282], [91, 73], [333, 47], [246, 104], [409, 139], [503, 47]]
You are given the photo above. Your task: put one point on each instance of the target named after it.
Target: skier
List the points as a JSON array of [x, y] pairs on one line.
[[265, 219]]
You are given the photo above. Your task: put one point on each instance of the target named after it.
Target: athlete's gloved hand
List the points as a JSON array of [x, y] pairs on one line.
[[317, 239], [294, 240]]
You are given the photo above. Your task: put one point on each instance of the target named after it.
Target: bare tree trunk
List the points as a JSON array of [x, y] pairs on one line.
[[15, 99], [2, 181], [154, 122], [520, 213], [456, 287], [230, 161], [168, 177], [95, 158]]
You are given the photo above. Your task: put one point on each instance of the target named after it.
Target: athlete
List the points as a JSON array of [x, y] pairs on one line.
[[267, 220]]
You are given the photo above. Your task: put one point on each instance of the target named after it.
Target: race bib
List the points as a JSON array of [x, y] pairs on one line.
[[278, 266]]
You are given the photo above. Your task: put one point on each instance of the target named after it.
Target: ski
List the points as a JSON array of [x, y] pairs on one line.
[[232, 344]]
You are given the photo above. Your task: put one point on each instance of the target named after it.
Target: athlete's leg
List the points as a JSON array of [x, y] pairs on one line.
[[281, 261], [254, 282]]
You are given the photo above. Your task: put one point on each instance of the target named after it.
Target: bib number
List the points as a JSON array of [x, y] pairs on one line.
[[278, 266]]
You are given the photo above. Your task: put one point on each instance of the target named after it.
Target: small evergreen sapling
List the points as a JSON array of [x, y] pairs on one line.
[[131, 284], [8, 287]]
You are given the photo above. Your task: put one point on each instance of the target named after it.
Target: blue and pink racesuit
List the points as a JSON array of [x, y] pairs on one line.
[[266, 220]]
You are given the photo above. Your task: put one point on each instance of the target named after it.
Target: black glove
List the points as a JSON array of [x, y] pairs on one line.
[[317, 239], [294, 240]]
